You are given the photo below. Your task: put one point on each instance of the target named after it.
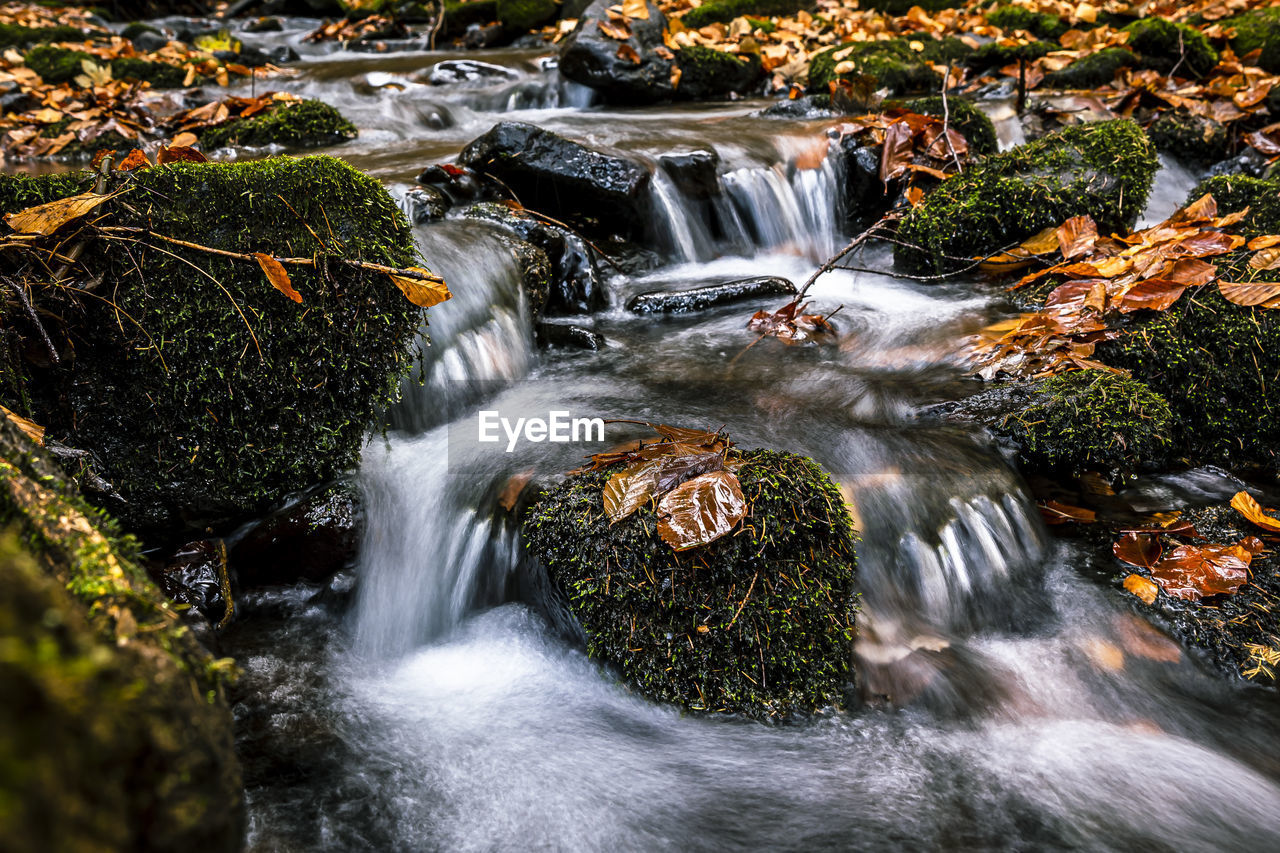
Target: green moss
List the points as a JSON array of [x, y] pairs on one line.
[[306, 124], [724, 11], [1236, 192], [160, 75], [1092, 71], [56, 64], [525, 15], [759, 622], [762, 24], [994, 55], [964, 117], [1091, 420], [898, 8], [118, 735], [15, 35], [1162, 45], [460, 14], [892, 63], [1218, 365], [1014, 18], [18, 192], [210, 394], [1190, 138], [944, 50], [706, 72], [1103, 169], [1258, 30]]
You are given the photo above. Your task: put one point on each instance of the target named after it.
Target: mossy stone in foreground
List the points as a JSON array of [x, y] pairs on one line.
[[1164, 45], [963, 117], [1103, 169], [724, 11], [893, 64], [1091, 420], [759, 622], [210, 394], [116, 734], [305, 124]]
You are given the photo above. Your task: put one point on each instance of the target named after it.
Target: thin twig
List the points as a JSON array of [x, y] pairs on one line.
[[946, 120], [853, 244], [21, 293], [744, 601], [224, 583]]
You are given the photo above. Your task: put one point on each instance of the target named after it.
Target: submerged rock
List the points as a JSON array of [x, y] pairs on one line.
[[453, 72], [312, 539], [569, 337], [562, 178], [695, 173], [196, 575], [701, 298], [117, 734], [759, 622], [219, 396], [1103, 169]]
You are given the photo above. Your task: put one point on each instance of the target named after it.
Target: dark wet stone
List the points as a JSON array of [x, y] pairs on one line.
[[562, 178], [264, 25], [455, 71], [493, 35], [426, 204], [193, 575], [458, 185], [865, 199], [1249, 163], [282, 55], [695, 173], [575, 286], [567, 336], [591, 58], [309, 540], [148, 42], [535, 272], [810, 106], [700, 298]]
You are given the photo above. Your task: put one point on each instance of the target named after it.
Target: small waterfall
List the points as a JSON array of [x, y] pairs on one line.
[[481, 340]]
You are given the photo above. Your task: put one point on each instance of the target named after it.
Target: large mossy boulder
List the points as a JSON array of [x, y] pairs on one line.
[[1103, 169], [891, 64], [1258, 30], [1092, 70], [202, 391], [759, 622], [1013, 19], [709, 73], [1166, 46], [1091, 420], [116, 732], [302, 124]]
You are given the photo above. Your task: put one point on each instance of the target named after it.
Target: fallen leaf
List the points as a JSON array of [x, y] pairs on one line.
[[1191, 572], [1245, 504], [627, 52], [277, 276], [633, 487], [1104, 655], [424, 293], [1060, 513], [1138, 549], [135, 160], [1144, 589], [1154, 294], [514, 486], [1076, 236], [1264, 294], [636, 9], [615, 31], [701, 510], [44, 219], [33, 430], [1266, 259], [179, 154], [184, 140]]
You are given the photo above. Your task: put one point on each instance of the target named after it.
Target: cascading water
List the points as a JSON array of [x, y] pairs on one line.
[[439, 713]]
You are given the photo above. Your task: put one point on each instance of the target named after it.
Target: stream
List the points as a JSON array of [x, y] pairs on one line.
[[421, 703]]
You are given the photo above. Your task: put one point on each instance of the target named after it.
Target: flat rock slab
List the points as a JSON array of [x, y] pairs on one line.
[[701, 298]]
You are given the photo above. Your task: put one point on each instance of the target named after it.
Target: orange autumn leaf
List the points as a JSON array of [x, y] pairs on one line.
[[1245, 504], [1144, 589], [1264, 294], [136, 160], [277, 276], [179, 154], [424, 290], [1076, 236], [44, 219]]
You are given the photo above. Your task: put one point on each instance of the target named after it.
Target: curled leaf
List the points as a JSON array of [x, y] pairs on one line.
[[1244, 503], [1144, 589], [425, 292], [276, 274]]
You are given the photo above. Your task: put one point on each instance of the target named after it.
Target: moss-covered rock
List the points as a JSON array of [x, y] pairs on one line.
[[1092, 71], [460, 14], [1258, 30], [524, 15], [205, 393], [160, 75], [1039, 24], [996, 55], [1164, 45], [724, 11], [759, 622], [304, 124], [893, 65], [56, 64], [117, 735], [1090, 420], [706, 72], [1236, 192], [1189, 137], [1103, 169], [898, 8], [16, 35], [964, 117]]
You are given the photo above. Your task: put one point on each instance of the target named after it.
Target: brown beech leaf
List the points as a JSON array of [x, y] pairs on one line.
[[627, 52], [276, 274], [1076, 236], [184, 140], [136, 160], [616, 31], [897, 152], [514, 486], [1154, 294], [425, 293], [1060, 513], [701, 510], [630, 489], [1138, 549], [1265, 294], [179, 154], [1143, 588], [44, 219], [1192, 572], [1266, 259], [1244, 503], [636, 9]]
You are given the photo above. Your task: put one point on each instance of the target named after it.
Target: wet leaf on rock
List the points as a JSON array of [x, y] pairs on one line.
[[44, 219], [1060, 513], [1138, 549], [1192, 572], [1263, 294], [276, 274], [1245, 504], [1143, 588], [701, 510], [33, 430], [425, 292]]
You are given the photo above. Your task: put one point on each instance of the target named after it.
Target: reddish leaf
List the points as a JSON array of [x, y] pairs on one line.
[[1154, 294], [135, 160], [1192, 572], [627, 52], [1076, 236], [1138, 549], [896, 154], [701, 510], [1060, 513], [180, 154]]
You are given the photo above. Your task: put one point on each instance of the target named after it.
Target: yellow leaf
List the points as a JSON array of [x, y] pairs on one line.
[[34, 431], [44, 219], [1244, 503], [1266, 259], [425, 292], [276, 274], [636, 9], [1087, 13], [1143, 588], [1104, 655], [1042, 243]]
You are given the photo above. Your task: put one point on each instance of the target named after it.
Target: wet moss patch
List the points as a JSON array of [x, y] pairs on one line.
[[893, 65], [760, 622], [304, 124], [1258, 30], [1092, 71], [724, 11], [1039, 24], [1165, 45], [1103, 169], [706, 72]]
